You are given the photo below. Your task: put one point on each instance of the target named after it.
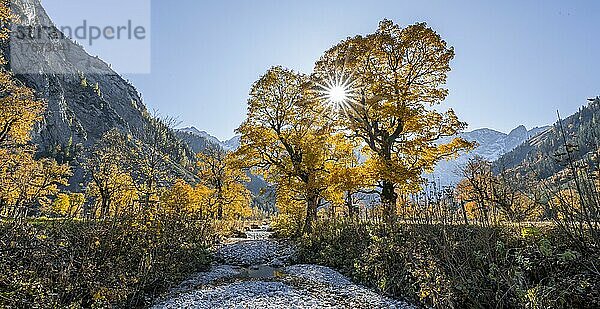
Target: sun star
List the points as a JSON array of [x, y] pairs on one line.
[[338, 92]]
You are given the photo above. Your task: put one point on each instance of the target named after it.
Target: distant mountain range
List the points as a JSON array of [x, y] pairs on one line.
[[202, 137], [491, 145], [539, 154], [199, 140]]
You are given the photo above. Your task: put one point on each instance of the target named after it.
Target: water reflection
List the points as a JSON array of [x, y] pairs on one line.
[[262, 272]]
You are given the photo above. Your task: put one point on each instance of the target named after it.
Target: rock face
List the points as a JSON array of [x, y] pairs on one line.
[[491, 146], [232, 144], [85, 97], [75, 111], [198, 140], [201, 135]]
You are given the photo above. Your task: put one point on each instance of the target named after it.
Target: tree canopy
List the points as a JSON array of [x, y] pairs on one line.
[[394, 77]]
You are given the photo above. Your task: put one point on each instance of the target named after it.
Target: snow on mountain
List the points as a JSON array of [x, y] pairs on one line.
[[229, 145], [491, 145]]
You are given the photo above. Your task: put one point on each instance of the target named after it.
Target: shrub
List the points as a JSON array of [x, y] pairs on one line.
[[460, 266], [119, 263]]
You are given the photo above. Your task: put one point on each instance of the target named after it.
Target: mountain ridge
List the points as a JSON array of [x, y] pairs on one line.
[[539, 154], [231, 144], [491, 145], [85, 97]]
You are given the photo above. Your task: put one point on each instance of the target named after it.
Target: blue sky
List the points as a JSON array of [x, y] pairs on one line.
[[517, 62]]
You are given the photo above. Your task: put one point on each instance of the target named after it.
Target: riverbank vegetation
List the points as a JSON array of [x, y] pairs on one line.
[[457, 266], [494, 241], [135, 230]]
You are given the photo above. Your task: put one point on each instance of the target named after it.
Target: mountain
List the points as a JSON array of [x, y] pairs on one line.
[[202, 134], [232, 144], [538, 154], [85, 97], [198, 139], [491, 145]]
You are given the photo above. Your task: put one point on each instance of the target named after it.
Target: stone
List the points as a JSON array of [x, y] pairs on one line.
[[300, 286]]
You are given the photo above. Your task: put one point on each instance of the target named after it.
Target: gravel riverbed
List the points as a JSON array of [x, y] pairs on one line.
[[257, 274]]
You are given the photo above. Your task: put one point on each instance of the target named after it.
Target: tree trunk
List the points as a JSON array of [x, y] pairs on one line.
[[311, 213], [104, 211], [352, 209], [3, 209], [464, 213], [388, 200]]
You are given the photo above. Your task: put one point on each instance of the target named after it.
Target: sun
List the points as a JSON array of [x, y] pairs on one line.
[[338, 92]]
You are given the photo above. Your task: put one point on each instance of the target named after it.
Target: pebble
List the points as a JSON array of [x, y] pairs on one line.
[[266, 294], [295, 286], [316, 274], [254, 252]]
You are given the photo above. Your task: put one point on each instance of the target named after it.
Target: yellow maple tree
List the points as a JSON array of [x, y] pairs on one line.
[[111, 185], [27, 183], [392, 78], [289, 138], [222, 184]]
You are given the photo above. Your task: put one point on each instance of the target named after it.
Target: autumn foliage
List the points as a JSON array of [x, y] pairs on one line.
[[131, 225], [25, 182], [345, 148], [310, 146]]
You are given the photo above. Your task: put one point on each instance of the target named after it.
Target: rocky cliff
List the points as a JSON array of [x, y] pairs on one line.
[[85, 96]]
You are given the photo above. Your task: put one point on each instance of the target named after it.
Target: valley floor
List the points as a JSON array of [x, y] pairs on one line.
[[256, 274]]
